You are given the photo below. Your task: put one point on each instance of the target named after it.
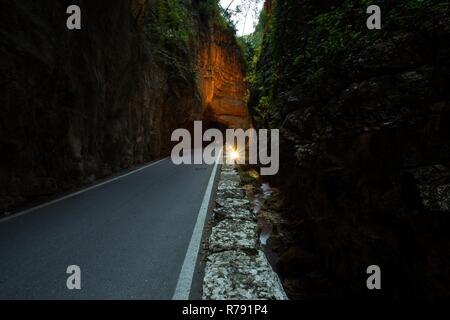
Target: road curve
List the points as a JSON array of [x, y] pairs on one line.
[[129, 237]]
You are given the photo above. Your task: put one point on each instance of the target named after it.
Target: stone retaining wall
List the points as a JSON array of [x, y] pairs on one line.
[[236, 267]]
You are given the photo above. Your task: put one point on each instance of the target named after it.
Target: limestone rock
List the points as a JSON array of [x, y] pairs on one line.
[[221, 81], [234, 275], [226, 185], [232, 203], [231, 234], [221, 213], [231, 192]]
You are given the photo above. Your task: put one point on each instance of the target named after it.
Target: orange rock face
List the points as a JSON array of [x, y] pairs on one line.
[[221, 82]]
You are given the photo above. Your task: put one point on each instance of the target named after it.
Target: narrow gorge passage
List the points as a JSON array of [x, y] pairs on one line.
[[349, 100]]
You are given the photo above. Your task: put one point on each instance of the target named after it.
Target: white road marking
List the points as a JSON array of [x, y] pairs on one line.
[[78, 192], [183, 288]]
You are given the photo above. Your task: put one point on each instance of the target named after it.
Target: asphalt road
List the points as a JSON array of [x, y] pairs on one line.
[[129, 237]]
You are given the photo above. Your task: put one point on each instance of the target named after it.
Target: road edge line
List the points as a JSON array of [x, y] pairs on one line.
[[184, 283], [21, 213]]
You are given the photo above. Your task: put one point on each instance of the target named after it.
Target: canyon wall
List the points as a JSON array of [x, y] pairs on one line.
[[222, 82], [364, 117], [81, 105]]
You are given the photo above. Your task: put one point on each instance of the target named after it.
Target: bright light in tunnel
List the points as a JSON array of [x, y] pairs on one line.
[[233, 152], [234, 155]]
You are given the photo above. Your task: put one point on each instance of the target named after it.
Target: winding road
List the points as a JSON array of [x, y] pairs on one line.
[[135, 236]]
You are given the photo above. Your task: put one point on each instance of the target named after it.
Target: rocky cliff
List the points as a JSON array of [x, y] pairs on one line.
[[364, 118], [84, 104], [222, 80]]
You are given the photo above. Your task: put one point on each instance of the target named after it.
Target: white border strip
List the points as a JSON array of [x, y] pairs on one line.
[[78, 192], [183, 288]]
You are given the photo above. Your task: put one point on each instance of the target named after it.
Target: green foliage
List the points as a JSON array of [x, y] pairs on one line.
[[262, 108], [171, 24], [293, 53], [330, 35], [344, 29], [248, 176], [170, 36], [417, 4], [252, 44], [213, 15], [248, 48], [315, 78]]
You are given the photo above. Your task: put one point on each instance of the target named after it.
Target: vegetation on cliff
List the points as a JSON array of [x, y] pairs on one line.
[[362, 114], [303, 41]]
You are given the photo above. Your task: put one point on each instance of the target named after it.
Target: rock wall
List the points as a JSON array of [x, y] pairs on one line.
[[81, 105], [221, 80], [364, 118]]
